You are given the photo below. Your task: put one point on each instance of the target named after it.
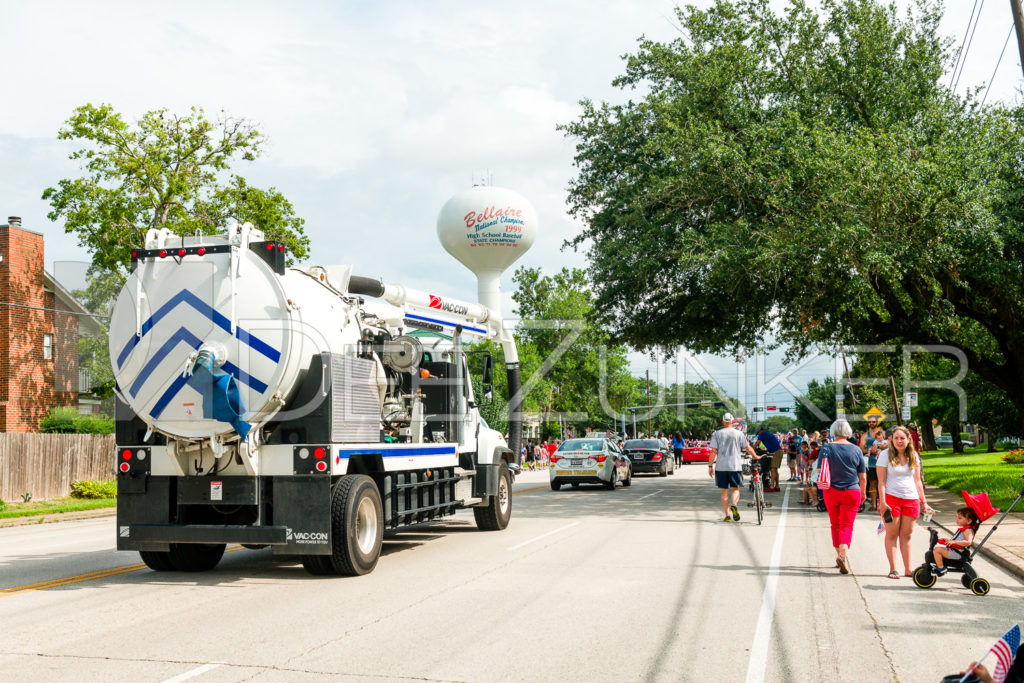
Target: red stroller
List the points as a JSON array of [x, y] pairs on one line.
[[923, 575]]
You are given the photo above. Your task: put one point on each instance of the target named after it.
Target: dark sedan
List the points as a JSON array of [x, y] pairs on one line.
[[650, 455]]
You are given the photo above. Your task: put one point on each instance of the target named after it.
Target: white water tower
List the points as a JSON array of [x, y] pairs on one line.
[[487, 229]]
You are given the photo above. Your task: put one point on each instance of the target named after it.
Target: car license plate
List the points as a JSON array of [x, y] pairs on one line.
[[638, 456], [576, 463]]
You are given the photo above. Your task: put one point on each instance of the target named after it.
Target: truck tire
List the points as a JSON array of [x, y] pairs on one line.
[[357, 526], [318, 565], [195, 557], [157, 560], [496, 514]]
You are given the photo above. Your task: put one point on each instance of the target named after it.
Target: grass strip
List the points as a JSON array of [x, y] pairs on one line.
[[56, 506]]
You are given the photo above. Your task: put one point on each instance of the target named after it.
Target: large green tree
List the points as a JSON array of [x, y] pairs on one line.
[[163, 171], [805, 176]]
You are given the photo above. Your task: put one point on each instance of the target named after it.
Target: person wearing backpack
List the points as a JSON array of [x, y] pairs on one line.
[[843, 479]]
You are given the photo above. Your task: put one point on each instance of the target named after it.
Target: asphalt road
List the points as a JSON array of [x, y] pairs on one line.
[[644, 583]]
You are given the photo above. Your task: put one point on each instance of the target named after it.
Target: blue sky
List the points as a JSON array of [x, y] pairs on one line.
[[375, 112]]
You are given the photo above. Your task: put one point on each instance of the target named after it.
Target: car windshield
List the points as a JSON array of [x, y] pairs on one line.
[[582, 445], [643, 443]]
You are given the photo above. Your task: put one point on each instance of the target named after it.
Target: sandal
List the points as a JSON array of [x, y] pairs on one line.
[[894, 574], [841, 563]]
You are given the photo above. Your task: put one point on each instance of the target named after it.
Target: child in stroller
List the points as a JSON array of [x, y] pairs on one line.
[[950, 548], [955, 554]]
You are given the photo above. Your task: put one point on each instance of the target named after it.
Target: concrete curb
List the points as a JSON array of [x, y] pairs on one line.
[[57, 517]]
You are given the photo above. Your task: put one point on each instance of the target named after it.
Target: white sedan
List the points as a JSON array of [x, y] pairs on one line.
[[589, 461]]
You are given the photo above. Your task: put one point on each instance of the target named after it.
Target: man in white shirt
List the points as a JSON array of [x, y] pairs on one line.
[[726, 464]]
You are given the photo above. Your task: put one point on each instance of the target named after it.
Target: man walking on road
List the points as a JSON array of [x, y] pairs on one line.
[[726, 464]]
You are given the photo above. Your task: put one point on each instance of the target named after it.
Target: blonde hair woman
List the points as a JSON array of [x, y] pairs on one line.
[[900, 496]]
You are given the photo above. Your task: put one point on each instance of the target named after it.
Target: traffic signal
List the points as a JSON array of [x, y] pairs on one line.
[[784, 409]]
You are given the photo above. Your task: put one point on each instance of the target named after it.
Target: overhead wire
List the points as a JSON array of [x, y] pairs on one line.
[[960, 52], [970, 42], [998, 62]]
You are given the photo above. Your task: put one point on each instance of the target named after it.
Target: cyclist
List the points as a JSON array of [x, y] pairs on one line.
[[771, 444]]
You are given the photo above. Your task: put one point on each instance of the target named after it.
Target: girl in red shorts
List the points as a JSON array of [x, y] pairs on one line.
[[900, 496]]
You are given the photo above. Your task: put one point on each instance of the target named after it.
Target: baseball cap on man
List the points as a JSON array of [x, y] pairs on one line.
[[728, 417]]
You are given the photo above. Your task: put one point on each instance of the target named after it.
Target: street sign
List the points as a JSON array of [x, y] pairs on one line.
[[771, 407], [705, 403], [910, 399], [905, 412], [874, 412]]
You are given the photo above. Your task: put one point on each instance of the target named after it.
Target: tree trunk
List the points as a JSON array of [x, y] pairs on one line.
[[958, 444], [927, 434], [991, 441]]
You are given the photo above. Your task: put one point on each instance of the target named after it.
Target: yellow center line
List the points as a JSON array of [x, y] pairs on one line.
[[78, 578]]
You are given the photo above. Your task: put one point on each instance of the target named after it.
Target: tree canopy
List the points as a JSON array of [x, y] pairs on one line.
[[803, 177], [164, 171]]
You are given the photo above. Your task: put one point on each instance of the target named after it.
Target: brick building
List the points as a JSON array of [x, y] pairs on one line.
[[38, 339]]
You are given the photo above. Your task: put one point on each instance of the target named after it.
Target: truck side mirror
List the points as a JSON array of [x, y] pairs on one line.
[[488, 377]]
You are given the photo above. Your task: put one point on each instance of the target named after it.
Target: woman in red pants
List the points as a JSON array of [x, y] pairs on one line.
[[847, 480]]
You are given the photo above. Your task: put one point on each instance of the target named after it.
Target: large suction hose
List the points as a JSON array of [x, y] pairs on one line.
[[366, 286], [515, 410]]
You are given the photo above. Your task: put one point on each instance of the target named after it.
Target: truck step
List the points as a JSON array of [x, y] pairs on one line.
[[208, 533]]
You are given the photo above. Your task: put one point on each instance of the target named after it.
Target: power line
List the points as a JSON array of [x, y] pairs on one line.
[[998, 62], [960, 52], [970, 42]]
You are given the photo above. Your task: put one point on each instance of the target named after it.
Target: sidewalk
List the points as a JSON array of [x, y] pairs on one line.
[[1006, 546]]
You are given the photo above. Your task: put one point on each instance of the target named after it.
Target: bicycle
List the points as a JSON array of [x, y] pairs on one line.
[[757, 486]]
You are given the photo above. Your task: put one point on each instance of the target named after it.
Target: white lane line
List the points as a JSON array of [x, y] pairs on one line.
[[554, 531], [650, 494], [194, 672], [759, 650]]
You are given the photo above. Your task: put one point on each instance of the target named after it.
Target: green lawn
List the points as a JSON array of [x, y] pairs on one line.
[[46, 507], [975, 471]]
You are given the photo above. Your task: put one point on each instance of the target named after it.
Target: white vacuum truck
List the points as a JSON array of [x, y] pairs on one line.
[[290, 407]]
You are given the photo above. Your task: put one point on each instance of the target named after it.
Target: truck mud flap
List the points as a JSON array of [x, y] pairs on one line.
[[142, 500], [486, 481], [302, 505]]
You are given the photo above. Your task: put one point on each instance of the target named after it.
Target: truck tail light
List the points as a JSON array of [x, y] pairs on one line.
[[126, 454], [319, 454]]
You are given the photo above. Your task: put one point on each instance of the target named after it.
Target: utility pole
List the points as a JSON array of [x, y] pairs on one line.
[[1018, 25], [648, 403]]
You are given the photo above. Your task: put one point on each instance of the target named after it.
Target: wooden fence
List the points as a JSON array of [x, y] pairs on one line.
[[46, 464]]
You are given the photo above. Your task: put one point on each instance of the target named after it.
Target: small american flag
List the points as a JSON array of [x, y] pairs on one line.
[[1005, 650]]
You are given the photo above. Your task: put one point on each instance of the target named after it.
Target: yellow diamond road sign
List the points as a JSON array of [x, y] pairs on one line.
[[874, 412]]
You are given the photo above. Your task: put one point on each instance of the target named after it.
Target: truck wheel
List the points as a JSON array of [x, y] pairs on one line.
[[357, 526], [495, 515], [195, 557], [157, 560]]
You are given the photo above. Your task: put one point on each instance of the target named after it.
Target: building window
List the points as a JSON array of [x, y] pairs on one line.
[[48, 347]]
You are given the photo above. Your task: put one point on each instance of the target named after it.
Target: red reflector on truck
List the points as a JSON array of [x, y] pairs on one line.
[[321, 466], [124, 467], [319, 453], [127, 455]]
